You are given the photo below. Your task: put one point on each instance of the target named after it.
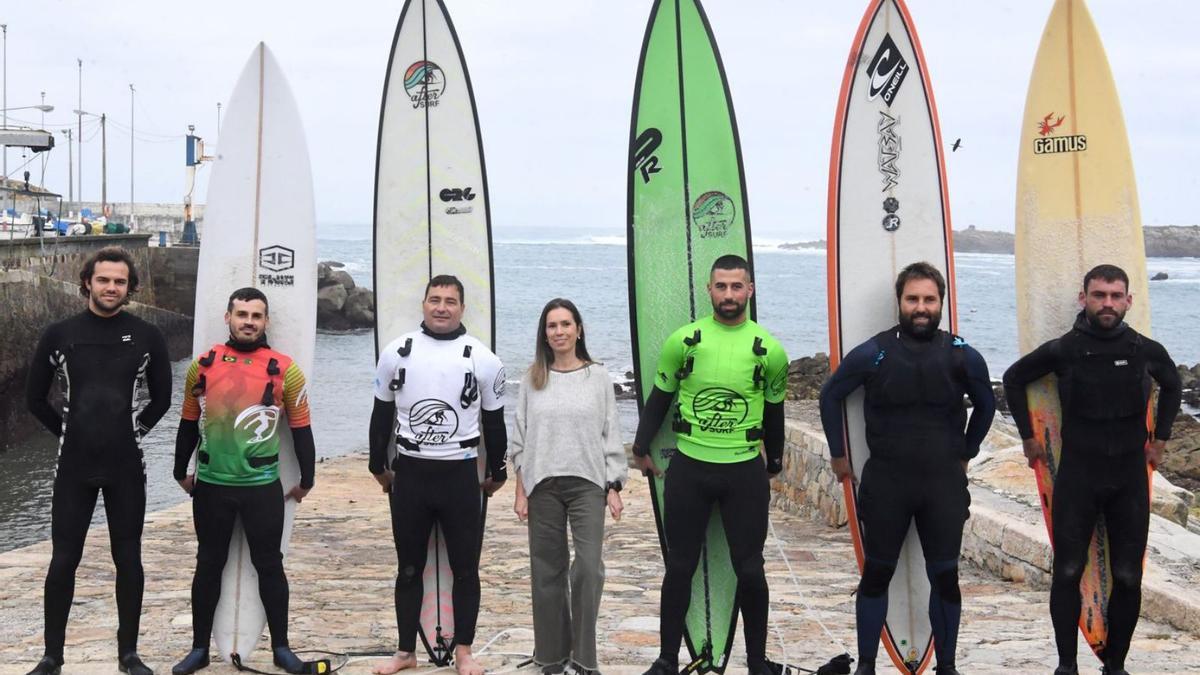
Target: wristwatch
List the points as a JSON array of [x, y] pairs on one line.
[[615, 486]]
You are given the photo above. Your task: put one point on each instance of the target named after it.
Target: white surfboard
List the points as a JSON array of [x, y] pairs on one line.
[[888, 207], [259, 231], [431, 217]]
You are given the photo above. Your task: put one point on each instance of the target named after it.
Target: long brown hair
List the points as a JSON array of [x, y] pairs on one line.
[[539, 370]]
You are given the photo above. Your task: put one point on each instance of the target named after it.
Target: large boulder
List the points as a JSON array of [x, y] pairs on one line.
[[359, 308], [325, 271], [806, 375], [1181, 462], [330, 299], [343, 279]]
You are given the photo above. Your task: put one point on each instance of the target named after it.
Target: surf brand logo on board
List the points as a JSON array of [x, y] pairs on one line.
[[644, 160], [713, 213], [1047, 143], [432, 421], [719, 410], [258, 422], [424, 81], [276, 259], [889, 149], [887, 71], [457, 195]]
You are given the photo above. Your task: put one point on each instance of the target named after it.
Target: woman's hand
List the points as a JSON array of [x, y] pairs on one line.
[[521, 507], [615, 505]]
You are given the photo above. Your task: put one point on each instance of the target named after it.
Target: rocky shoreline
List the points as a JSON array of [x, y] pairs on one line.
[[1165, 241], [342, 304]]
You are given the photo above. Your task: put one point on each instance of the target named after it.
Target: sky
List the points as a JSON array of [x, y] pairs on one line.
[[554, 83]]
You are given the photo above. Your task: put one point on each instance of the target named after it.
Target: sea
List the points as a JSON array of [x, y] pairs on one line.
[[532, 266]]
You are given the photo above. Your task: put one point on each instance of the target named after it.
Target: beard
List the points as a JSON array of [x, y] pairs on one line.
[[921, 331], [1105, 318], [730, 310], [107, 304]]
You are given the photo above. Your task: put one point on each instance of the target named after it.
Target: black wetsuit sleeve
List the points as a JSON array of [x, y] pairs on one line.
[[653, 413], [773, 436], [306, 455], [1163, 370], [983, 400], [380, 432], [1029, 368], [187, 439], [853, 372], [495, 439], [37, 386], [158, 379]]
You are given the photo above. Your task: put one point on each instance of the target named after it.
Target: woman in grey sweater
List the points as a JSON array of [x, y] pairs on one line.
[[570, 464]]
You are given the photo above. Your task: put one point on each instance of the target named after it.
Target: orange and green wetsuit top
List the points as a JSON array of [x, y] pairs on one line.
[[238, 399]]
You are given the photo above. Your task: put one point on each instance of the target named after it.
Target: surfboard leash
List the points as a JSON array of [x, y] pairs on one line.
[[318, 667], [838, 665]]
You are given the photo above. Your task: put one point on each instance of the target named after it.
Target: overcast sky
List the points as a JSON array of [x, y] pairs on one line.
[[554, 80]]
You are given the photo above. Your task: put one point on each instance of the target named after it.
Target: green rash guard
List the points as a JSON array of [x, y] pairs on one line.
[[727, 374]]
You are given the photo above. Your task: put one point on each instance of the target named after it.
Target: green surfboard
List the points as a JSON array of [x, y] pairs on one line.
[[687, 207]]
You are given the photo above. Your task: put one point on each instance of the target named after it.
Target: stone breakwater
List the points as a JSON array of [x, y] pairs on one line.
[[341, 568]]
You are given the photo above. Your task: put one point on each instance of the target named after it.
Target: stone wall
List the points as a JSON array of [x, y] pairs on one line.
[[62, 257], [32, 301], [174, 270]]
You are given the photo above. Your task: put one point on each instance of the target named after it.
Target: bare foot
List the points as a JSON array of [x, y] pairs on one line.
[[399, 661], [464, 661]]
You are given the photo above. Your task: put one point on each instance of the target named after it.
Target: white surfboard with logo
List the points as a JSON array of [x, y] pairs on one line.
[[888, 208], [259, 230], [431, 218]]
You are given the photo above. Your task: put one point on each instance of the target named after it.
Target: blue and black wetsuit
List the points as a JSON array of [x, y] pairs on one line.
[[919, 440], [103, 366], [1104, 385]]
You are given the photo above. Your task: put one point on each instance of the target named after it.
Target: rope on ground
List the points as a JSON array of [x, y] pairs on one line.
[[837, 663]]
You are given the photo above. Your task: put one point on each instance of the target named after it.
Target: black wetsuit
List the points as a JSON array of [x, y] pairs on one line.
[[102, 365], [915, 422], [1104, 385]]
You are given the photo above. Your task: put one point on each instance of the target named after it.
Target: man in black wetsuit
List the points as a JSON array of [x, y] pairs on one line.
[[1104, 369], [915, 376], [104, 358]]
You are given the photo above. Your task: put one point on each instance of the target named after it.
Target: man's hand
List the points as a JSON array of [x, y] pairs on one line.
[[646, 466], [521, 506], [385, 478], [841, 468], [490, 486], [615, 505], [298, 493], [188, 484], [1034, 451], [1154, 452]]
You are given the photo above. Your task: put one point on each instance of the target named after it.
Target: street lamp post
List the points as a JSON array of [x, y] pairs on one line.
[[4, 27], [80, 137], [42, 179], [103, 159], [70, 168], [131, 155]]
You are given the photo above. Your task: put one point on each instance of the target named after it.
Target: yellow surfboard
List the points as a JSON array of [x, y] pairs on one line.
[[1077, 207]]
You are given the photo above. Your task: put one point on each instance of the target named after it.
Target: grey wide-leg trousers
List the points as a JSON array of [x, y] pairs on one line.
[[564, 619]]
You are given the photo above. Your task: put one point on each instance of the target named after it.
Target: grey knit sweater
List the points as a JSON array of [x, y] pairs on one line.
[[568, 428]]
